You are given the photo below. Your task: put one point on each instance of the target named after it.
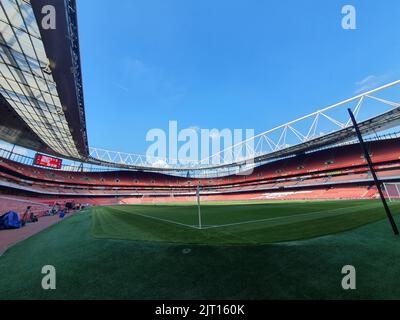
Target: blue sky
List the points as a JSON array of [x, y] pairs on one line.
[[225, 64]]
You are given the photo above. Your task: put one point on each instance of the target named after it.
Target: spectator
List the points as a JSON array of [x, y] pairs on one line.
[[33, 218]]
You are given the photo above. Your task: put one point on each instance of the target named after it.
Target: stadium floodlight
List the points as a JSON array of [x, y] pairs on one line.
[[378, 183]]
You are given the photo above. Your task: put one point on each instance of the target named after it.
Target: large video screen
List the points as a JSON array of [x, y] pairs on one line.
[[46, 161]]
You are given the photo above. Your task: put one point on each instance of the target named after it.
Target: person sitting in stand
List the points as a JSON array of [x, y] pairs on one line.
[[55, 209], [33, 218], [49, 210]]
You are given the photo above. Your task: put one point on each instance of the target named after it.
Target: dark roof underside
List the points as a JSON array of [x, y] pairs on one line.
[[62, 50]]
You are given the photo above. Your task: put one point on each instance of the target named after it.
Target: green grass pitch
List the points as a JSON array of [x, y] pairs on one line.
[[233, 223], [257, 250]]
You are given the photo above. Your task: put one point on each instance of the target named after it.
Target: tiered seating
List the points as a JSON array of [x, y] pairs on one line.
[[337, 167], [340, 158], [323, 194]]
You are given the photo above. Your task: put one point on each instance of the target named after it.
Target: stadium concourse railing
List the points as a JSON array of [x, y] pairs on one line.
[[28, 160]]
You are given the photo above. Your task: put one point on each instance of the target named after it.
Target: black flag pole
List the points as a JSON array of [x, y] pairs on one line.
[[378, 184]]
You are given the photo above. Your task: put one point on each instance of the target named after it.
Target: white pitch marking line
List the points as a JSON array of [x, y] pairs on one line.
[[160, 219], [278, 218]]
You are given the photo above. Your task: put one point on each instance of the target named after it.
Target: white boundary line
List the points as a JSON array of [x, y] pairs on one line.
[[204, 227], [159, 219], [284, 217]]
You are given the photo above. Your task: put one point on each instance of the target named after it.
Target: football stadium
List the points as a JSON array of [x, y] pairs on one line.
[[306, 209]]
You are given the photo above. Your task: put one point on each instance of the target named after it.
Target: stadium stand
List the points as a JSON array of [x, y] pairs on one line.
[[335, 173]]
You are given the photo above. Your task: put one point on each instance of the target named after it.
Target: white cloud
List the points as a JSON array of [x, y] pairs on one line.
[[370, 82], [120, 86], [160, 164], [136, 66], [151, 81]]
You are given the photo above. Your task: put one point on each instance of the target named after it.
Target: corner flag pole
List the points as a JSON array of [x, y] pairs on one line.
[[198, 205], [371, 168]]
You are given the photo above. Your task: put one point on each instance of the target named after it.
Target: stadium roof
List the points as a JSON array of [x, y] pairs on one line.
[[41, 97]]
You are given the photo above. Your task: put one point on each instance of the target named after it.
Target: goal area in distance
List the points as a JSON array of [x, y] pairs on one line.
[[392, 190]]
